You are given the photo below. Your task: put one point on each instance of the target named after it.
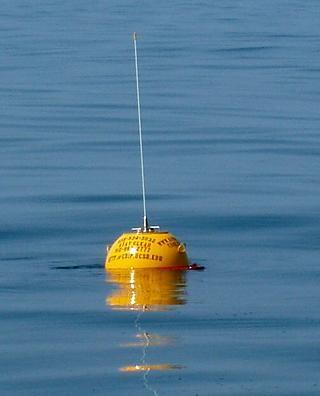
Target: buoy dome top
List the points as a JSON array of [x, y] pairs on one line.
[[151, 249]]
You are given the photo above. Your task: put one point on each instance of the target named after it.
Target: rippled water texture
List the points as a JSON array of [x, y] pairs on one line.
[[230, 105]]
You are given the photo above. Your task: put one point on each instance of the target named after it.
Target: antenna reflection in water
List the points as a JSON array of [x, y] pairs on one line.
[[145, 290]]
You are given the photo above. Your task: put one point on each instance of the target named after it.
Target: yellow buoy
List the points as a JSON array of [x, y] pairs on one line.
[[151, 249], [145, 247]]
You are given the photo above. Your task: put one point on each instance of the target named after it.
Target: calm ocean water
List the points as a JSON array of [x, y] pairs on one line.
[[230, 103]]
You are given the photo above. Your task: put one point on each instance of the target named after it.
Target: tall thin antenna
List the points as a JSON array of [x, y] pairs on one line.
[[145, 220]]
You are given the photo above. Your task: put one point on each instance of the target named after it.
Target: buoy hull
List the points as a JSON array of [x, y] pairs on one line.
[[152, 249]]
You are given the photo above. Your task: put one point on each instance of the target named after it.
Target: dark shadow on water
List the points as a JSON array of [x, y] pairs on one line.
[[77, 267], [90, 198]]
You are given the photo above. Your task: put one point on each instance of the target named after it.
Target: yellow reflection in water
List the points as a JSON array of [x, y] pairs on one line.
[[150, 367], [150, 339], [146, 289], [143, 290]]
